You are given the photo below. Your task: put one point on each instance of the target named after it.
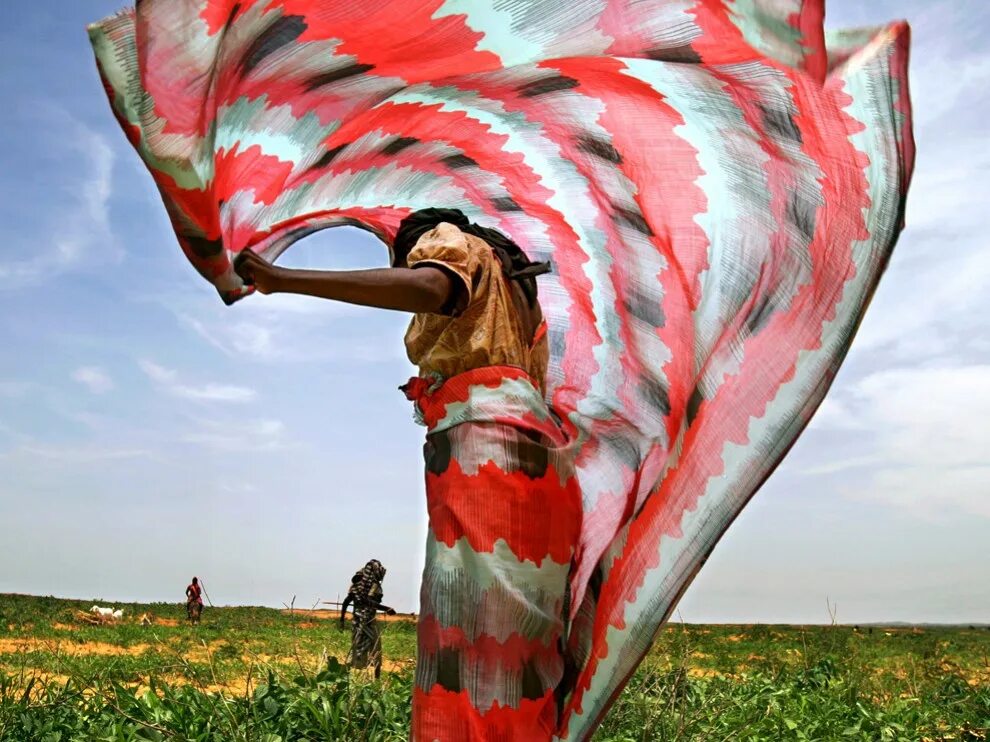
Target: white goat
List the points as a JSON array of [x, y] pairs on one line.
[[110, 613]]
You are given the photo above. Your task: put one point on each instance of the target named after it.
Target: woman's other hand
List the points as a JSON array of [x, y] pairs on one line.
[[257, 272]]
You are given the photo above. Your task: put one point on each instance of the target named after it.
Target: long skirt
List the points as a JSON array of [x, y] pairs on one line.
[[366, 640], [504, 518]]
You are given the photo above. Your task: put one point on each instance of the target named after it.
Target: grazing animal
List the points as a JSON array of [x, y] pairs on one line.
[[110, 613]]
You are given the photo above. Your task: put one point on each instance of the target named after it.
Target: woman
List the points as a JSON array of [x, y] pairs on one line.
[[502, 500], [366, 596], [194, 601]]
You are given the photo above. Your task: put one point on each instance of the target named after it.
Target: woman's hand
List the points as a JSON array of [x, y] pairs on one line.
[[258, 272]]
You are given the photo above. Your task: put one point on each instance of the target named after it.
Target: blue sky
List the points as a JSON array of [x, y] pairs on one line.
[[148, 433]]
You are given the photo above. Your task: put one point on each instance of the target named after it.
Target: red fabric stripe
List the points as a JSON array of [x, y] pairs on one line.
[[511, 654], [215, 13], [378, 33], [458, 389], [238, 170], [811, 22], [490, 506], [445, 716]]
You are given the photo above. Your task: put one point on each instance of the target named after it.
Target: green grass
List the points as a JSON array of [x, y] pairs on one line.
[[261, 674]]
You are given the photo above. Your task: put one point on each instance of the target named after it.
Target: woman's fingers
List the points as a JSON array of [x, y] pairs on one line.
[[246, 265], [255, 271]]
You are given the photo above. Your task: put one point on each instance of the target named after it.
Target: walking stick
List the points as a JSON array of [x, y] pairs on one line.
[[203, 585]]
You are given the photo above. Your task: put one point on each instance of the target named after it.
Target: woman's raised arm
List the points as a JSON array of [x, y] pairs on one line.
[[420, 290]]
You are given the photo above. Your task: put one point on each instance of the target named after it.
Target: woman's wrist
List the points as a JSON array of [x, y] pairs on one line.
[[280, 280]]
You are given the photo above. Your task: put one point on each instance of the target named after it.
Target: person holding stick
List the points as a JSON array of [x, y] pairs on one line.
[[366, 594], [194, 601]]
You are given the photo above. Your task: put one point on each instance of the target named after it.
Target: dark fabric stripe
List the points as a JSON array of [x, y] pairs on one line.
[[694, 405], [233, 15], [398, 144], [455, 162], [506, 203], [599, 148], [780, 123], [328, 157], [204, 248], [801, 214], [547, 85], [281, 33], [632, 219], [341, 73], [684, 53], [645, 307]]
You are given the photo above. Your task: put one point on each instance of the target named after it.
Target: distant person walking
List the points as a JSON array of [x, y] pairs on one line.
[[366, 594], [194, 601]]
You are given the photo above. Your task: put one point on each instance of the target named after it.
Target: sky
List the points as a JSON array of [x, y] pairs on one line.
[[149, 433]]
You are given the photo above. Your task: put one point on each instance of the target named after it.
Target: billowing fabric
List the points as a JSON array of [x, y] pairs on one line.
[[488, 331], [717, 184], [504, 517]]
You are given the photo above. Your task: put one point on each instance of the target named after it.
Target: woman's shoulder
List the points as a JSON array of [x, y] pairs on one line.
[[447, 232], [444, 232]]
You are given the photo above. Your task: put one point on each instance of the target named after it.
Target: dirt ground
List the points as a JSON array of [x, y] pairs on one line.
[[13, 646], [331, 614]]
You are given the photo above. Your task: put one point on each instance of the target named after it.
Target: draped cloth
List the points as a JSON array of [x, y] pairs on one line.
[[504, 515], [717, 183]]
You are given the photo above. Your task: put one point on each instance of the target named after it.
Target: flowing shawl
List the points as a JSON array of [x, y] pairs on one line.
[[718, 184]]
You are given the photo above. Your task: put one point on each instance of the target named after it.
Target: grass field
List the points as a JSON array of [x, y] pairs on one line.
[[267, 675]]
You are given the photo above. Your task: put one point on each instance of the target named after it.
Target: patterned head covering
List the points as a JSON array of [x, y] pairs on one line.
[[516, 265], [364, 581]]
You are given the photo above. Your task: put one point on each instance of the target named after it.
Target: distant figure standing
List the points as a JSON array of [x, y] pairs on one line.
[[365, 594], [194, 601]]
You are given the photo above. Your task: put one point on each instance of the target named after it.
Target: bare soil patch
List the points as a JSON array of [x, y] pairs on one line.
[[16, 646], [324, 614]]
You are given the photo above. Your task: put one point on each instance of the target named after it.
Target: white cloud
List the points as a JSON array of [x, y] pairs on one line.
[[83, 228], [95, 454], [924, 446], [235, 338], [956, 65], [240, 437], [93, 378], [16, 389], [303, 337], [12, 433], [836, 414], [157, 373], [933, 301], [237, 488], [167, 379], [840, 465], [216, 393]]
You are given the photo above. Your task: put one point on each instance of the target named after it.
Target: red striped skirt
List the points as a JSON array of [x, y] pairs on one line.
[[504, 517]]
